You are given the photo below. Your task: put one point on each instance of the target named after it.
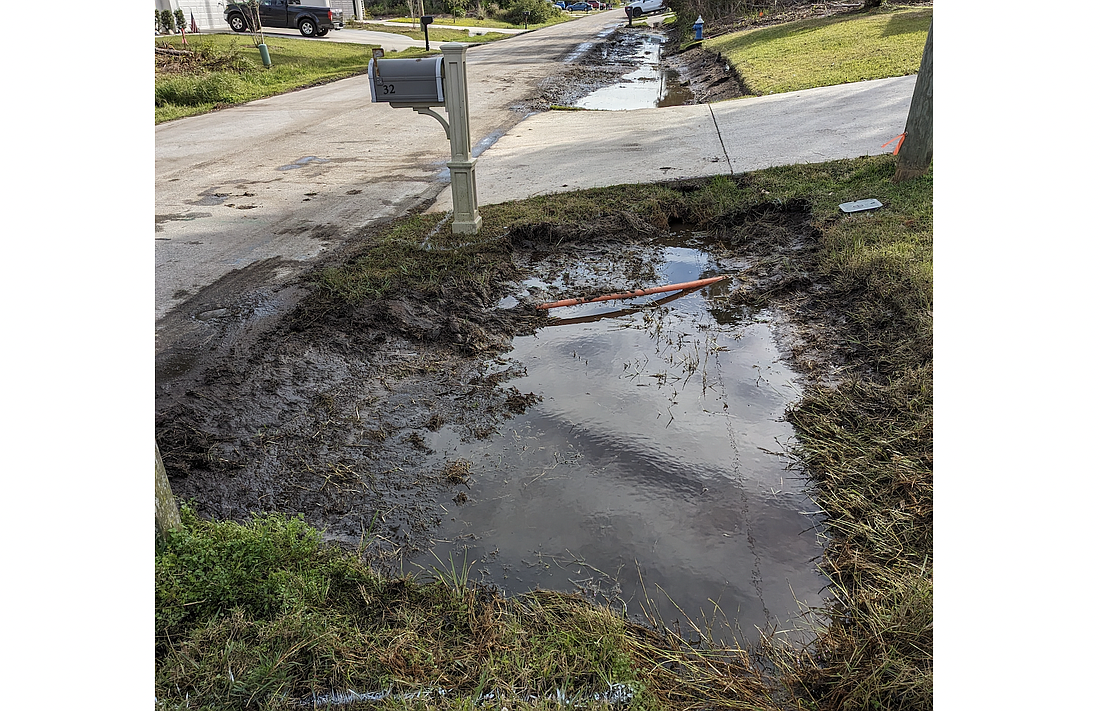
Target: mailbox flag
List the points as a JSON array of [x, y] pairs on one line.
[[194, 27]]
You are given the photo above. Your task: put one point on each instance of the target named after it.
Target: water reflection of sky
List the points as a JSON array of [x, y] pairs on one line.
[[646, 459], [646, 87]]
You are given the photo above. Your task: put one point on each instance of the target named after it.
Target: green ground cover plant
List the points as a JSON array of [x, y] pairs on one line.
[[849, 47], [250, 615], [226, 70]]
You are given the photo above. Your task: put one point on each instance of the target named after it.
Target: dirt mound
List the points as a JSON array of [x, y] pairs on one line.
[[707, 74]]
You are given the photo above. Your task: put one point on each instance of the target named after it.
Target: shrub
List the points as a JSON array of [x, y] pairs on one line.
[[181, 21], [540, 10], [167, 22]]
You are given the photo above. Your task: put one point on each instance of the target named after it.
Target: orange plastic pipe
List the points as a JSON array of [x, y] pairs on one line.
[[632, 294]]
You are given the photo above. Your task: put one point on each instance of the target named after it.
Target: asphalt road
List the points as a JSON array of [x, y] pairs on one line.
[[295, 175]]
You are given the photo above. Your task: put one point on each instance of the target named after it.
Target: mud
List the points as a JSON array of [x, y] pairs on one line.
[[693, 76], [708, 77], [328, 411]]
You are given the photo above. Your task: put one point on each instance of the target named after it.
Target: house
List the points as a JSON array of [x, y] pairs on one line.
[[210, 14]]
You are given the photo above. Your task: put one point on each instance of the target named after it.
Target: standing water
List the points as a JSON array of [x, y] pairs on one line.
[[652, 472], [646, 87]]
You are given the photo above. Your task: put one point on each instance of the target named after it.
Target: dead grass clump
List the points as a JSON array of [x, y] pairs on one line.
[[517, 402], [457, 472], [377, 435], [200, 57]]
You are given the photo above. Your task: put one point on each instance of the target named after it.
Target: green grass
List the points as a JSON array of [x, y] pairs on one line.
[[256, 615], [436, 33], [474, 22], [231, 72], [286, 615], [827, 51]]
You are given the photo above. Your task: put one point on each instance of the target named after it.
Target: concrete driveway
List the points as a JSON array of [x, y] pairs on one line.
[[559, 151]]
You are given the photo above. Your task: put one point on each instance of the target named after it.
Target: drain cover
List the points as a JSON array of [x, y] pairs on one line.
[[868, 204]]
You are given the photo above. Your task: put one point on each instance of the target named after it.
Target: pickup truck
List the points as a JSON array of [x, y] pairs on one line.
[[311, 20], [644, 7]]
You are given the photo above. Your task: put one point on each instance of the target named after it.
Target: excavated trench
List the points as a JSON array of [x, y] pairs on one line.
[[634, 451]]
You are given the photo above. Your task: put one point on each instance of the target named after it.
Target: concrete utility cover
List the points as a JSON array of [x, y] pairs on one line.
[[868, 204]]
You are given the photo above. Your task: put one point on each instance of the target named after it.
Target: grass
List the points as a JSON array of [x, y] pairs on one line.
[[827, 51], [227, 70], [247, 614], [435, 33], [474, 22], [263, 614]]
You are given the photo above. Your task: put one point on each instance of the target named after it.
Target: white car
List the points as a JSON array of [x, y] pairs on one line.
[[644, 7]]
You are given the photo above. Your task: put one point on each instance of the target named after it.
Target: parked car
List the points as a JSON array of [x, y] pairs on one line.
[[596, 5], [578, 7], [311, 21], [644, 7], [561, 4]]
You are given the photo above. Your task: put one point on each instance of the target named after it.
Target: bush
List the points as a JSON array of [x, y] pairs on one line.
[[181, 21], [540, 10], [167, 22]]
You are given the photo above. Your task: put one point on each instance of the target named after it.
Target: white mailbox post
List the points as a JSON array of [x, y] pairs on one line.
[[427, 82], [463, 180]]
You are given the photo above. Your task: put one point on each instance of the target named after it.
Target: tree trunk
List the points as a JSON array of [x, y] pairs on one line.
[[915, 154], [168, 514]]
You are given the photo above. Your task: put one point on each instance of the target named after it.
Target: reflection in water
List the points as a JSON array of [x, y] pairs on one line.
[[646, 87], [652, 463]]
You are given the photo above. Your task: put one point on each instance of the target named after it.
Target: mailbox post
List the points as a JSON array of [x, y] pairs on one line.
[[467, 220], [428, 82], [426, 20]]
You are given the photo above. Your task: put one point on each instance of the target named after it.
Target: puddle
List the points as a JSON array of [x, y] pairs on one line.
[[648, 86], [651, 469], [302, 162]]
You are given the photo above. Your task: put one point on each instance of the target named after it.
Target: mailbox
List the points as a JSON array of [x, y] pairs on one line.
[[407, 81]]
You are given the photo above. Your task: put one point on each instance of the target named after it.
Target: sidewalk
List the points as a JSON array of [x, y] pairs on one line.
[[561, 151]]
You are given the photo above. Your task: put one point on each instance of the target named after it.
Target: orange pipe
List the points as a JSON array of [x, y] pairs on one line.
[[632, 294]]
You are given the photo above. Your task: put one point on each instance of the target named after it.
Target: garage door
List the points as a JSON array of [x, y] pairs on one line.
[[348, 6]]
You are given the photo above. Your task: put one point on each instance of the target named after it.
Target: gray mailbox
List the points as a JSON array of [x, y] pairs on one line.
[[407, 81]]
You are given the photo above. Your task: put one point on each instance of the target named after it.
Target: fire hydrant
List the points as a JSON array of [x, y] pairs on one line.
[[699, 28]]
